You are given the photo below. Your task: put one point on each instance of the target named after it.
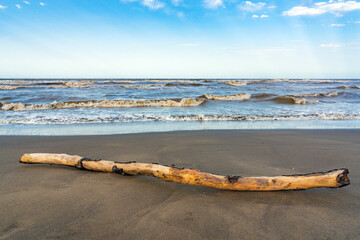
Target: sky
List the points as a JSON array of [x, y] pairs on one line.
[[179, 39]]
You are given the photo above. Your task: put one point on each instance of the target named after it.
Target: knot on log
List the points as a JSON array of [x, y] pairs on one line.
[[79, 165], [233, 179], [117, 170]]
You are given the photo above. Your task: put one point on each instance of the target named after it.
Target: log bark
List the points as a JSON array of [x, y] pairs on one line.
[[331, 179]]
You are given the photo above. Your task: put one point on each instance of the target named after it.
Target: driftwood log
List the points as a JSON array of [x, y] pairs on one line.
[[332, 179]]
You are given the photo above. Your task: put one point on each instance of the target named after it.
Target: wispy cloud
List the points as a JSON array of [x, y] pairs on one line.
[[17, 6], [26, 2], [2, 7], [152, 4], [176, 2], [249, 6], [332, 6], [213, 3], [42, 4], [331, 45], [261, 16], [337, 25]]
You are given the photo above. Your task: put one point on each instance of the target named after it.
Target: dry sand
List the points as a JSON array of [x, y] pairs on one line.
[[52, 202]]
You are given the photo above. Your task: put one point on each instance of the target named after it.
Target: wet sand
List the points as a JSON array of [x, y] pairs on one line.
[[54, 202]]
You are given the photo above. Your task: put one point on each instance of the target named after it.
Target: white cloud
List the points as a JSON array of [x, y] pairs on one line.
[[153, 4], [332, 6], [337, 25], [357, 21], [249, 6], [255, 16], [331, 45], [18, 6], [272, 7], [42, 4], [213, 3], [264, 16], [26, 2], [2, 7]]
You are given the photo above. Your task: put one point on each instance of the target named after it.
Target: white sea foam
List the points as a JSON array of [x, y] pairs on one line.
[[184, 102], [179, 118], [240, 96]]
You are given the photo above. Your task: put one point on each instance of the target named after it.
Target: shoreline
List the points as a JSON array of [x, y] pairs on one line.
[[41, 201], [98, 129]]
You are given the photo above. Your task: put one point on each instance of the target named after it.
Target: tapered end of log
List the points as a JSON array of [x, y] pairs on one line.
[[25, 158], [342, 177]]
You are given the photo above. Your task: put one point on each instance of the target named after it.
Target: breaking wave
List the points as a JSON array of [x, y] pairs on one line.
[[235, 83], [181, 118], [292, 100], [184, 102], [240, 96], [7, 87]]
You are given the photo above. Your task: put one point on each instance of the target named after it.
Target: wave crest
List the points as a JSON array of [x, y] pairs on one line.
[[292, 100], [240, 96], [184, 102], [330, 94]]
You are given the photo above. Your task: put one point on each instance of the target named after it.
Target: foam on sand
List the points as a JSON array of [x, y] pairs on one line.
[[184, 102], [240, 96]]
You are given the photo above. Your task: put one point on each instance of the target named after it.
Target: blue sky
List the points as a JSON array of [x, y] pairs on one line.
[[180, 39]]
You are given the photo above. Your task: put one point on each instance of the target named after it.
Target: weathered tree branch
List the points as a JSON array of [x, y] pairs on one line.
[[331, 179]]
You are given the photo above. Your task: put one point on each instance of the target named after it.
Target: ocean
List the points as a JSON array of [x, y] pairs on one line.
[[115, 106]]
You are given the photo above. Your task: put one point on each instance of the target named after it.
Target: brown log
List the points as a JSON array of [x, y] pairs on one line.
[[332, 179]]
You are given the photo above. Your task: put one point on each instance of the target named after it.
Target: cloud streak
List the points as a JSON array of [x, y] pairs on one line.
[[213, 3], [337, 25], [331, 45], [319, 8]]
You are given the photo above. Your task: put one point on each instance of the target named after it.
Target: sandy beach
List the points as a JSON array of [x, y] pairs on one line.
[[54, 202]]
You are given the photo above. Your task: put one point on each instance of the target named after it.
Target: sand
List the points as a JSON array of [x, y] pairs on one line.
[[54, 202]]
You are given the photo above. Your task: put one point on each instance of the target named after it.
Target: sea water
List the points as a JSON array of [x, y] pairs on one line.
[[113, 106]]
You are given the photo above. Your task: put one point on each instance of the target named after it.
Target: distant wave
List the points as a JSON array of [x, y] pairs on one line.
[[300, 81], [263, 95], [184, 102], [235, 83], [8, 87], [142, 86], [240, 96], [350, 87], [330, 94], [181, 118]]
